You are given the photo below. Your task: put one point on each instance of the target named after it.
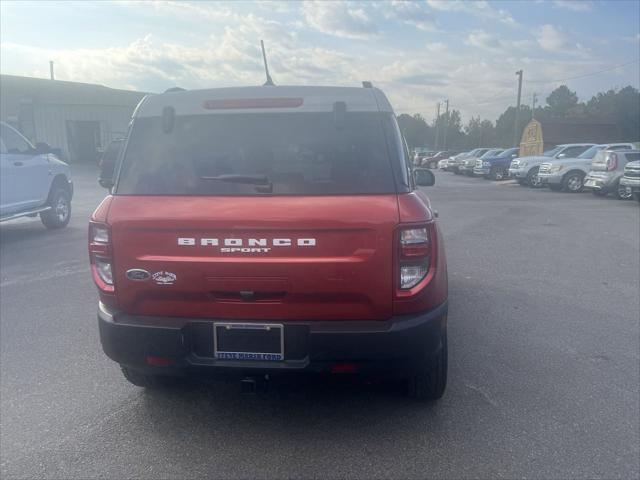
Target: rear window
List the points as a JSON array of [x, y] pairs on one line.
[[257, 154]]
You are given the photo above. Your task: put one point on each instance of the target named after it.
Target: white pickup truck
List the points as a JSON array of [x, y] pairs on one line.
[[33, 181]]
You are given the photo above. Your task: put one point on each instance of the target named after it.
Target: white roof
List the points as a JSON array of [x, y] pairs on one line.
[[300, 99], [617, 144], [576, 144]]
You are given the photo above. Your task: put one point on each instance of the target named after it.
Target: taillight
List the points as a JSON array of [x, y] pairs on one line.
[[100, 256], [612, 162], [415, 249]]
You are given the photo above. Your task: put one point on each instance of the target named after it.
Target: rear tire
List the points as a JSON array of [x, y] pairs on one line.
[[430, 382], [60, 213], [148, 381], [573, 182]]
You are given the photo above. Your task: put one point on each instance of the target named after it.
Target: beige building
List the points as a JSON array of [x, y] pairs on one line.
[[78, 119]]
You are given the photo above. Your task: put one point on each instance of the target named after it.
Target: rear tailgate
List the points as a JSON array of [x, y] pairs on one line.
[[276, 258]]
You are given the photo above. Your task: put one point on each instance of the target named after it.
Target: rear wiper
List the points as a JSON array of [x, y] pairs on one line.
[[238, 178]]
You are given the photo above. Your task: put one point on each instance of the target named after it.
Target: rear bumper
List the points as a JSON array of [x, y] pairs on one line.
[[395, 346], [600, 182]]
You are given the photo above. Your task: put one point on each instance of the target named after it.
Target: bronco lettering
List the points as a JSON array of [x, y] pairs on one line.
[[250, 242]]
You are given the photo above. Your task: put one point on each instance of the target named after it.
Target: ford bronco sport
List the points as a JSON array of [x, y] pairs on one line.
[[268, 229]]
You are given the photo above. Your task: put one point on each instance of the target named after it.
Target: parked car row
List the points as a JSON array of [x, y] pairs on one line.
[[432, 159], [572, 167]]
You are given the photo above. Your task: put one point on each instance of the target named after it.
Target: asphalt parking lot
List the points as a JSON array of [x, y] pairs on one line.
[[544, 363]]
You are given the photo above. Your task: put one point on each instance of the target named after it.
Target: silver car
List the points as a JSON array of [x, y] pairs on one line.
[[568, 174], [525, 169], [607, 169], [454, 163], [631, 178], [469, 163]]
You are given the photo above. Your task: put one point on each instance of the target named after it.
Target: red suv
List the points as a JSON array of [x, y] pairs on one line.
[[270, 229]]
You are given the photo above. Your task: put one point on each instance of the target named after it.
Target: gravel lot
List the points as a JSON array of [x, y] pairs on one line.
[[544, 363]]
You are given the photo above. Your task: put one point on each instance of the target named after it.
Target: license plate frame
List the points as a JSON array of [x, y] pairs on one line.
[[276, 353]]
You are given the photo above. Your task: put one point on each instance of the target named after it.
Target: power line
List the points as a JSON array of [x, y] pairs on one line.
[[489, 100], [585, 74], [495, 100]]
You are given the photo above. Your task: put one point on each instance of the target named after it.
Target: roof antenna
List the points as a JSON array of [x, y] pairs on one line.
[[269, 81]]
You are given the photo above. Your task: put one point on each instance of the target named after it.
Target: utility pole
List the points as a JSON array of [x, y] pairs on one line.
[[533, 109], [446, 125], [515, 126], [51, 69], [435, 147]]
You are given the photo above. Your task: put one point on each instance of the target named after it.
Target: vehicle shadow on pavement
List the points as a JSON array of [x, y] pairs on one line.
[[19, 232], [301, 402]]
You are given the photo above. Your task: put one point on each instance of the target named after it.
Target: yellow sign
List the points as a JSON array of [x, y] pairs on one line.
[[531, 142]]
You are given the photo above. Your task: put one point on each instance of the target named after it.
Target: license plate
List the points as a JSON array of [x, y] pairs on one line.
[[248, 342]]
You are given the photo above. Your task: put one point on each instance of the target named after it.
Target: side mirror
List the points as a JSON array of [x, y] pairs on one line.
[[107, 169], [106, 183], [43, 147], [424, 177]]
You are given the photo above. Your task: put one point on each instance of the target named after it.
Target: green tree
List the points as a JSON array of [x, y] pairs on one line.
[[505, 124], [415, 130], [623, 107], [561, 100], [487, 133], [627, 114], [473, 133], [452, 123]]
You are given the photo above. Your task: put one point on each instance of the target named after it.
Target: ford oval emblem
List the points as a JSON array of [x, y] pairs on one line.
[[138, 274]]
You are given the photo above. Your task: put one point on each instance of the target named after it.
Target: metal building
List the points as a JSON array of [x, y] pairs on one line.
[[79, 119]]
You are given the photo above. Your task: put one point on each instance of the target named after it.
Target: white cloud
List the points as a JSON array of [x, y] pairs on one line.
[[550, 38], [413, 13], [231, 57], [184, 9], [480, 9], [490, 41], [475, 72], [482, 39], [574, 5], [340, 19]]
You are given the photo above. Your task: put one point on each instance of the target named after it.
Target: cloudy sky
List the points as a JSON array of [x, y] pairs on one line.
[[417, 52]]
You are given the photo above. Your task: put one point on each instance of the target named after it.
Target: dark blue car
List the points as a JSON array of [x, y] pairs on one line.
[[496, 168]]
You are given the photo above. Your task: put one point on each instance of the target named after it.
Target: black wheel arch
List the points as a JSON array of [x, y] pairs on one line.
[[575, 170], [60, 181]]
